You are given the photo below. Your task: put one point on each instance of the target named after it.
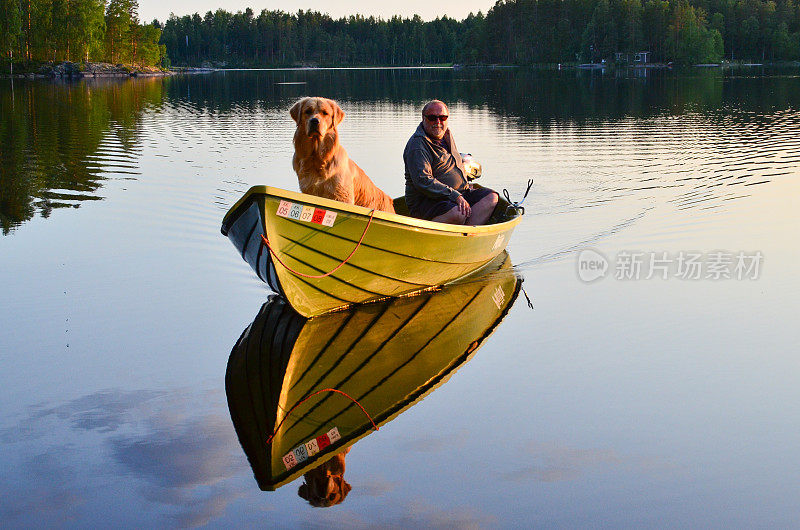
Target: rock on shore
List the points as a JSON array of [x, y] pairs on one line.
[[78, 70]]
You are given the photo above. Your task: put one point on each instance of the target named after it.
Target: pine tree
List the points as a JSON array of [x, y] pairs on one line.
[[121, 19], [88, 25], [10, 27]]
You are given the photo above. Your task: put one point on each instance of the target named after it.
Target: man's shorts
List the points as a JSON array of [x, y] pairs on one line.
[[428, 208]]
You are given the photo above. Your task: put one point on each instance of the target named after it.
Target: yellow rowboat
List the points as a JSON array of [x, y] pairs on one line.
[[386, 356], [293, 241]]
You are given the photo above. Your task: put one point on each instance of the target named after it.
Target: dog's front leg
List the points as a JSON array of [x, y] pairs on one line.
[[345, 194]]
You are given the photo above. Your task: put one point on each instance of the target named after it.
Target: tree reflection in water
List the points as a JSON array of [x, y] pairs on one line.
[[59, 140]]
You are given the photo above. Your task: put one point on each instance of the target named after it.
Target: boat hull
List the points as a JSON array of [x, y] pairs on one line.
[[311, 236], [387, 356]]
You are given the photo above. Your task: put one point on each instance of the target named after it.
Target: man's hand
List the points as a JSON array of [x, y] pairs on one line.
[[463, 206]]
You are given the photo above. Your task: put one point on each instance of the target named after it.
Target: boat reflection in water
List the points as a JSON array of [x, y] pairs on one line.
[[385, 356]]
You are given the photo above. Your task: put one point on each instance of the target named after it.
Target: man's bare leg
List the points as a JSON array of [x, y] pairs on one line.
[[452, 216], [482, 210]]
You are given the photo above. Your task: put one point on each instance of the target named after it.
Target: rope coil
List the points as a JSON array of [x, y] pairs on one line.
[[265, 242]]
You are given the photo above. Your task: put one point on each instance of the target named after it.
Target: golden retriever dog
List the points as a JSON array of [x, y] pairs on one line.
[[321, 163], [325, 485]]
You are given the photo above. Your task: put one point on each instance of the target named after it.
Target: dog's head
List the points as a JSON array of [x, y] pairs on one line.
[[315, 117], [325, 485]]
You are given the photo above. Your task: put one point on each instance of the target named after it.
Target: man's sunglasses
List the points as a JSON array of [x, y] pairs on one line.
[[435, 117]]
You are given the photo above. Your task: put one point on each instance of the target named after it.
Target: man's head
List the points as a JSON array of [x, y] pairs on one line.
[[434, 119]]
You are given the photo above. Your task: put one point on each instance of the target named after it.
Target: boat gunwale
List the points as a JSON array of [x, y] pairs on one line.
[[403, 220]]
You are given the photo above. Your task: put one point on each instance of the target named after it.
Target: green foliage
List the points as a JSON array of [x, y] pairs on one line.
[[512, 32], [10, 25], [689, 40], [276, 38], [87, 26], [79, 30], [119, 19]]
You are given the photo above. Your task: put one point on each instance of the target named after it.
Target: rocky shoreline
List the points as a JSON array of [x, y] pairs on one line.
[[69, 70]]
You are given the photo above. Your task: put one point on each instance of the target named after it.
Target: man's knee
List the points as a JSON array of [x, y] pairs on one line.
[[488, 202], [452, 216], [482, 210]]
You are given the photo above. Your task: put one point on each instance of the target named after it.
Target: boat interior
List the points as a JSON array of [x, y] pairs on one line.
[[503, 212]]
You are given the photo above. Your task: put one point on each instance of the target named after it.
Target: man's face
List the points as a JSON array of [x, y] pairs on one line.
[[435, 128]]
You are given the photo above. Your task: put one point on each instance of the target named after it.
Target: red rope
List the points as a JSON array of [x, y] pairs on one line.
[[265, 241], [271, 436]]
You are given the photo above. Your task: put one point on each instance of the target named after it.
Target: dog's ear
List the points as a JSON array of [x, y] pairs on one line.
[[303, 491], [294, 112], [338, 114]]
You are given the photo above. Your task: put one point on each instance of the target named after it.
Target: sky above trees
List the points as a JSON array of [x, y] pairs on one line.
[[459, 9]]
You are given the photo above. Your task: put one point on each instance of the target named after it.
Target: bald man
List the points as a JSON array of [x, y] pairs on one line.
[[437, 188]]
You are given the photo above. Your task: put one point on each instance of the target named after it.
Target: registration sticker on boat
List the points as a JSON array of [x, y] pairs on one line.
[[319, 215], [329, 218], [309, 214], [283, 208], [289, 460], [304, 451], [295, 211], [333, 435], [312, 447], [323, 441], [300, 452]]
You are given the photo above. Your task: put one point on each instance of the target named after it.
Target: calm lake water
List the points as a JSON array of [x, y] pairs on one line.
[[662, 393]]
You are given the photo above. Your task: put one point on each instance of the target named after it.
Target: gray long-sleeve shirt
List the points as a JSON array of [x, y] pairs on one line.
[[433, 170]]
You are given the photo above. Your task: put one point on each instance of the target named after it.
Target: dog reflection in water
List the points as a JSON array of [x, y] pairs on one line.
[[325, 484]]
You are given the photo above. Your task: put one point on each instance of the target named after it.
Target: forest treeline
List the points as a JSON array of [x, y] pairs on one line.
[[512, 32], [79, 30]]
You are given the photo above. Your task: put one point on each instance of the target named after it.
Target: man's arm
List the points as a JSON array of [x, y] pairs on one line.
[[418, 168]]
